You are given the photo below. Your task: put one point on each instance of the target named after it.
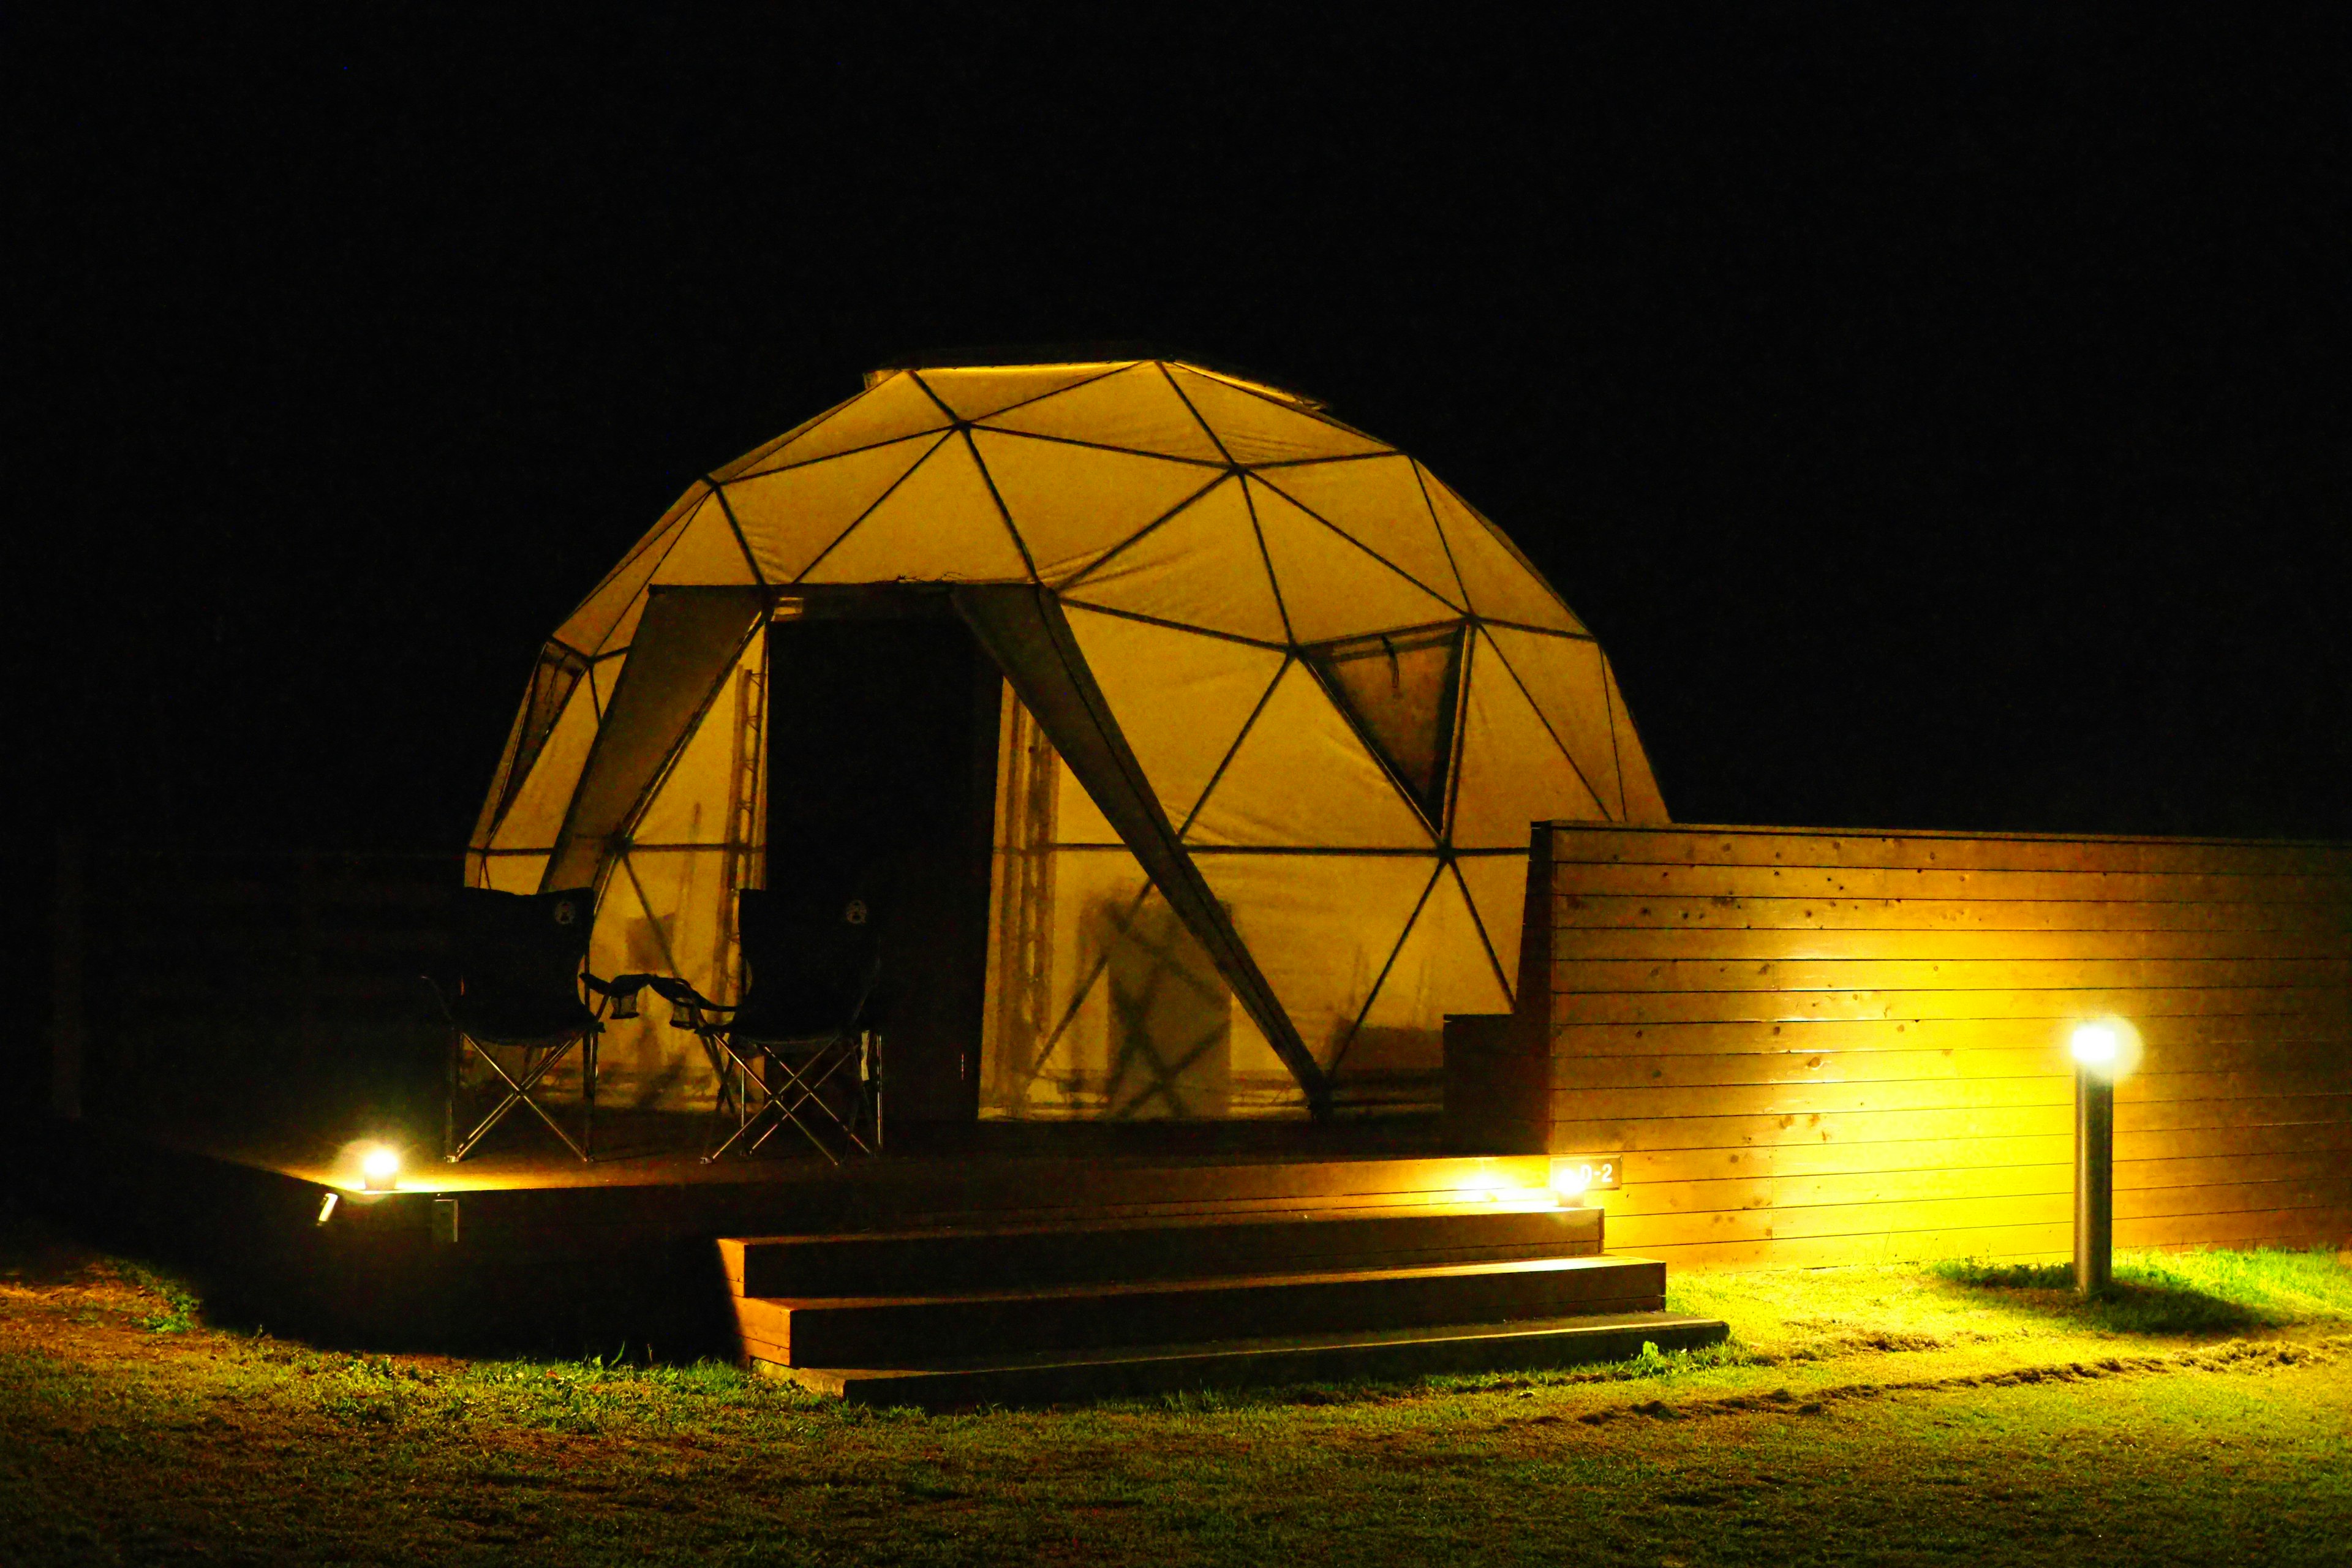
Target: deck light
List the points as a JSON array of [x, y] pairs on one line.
[[2103, 1049], [379, 1169]]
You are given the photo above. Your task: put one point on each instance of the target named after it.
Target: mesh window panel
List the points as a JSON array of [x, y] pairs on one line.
[[1400, 689]]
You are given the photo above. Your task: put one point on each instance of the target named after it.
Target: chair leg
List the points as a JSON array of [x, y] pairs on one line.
[[518, 1092], [588, 1095], [454, 1070]]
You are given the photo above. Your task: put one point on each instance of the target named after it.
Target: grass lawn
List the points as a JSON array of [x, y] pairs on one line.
[[1882, 1416]]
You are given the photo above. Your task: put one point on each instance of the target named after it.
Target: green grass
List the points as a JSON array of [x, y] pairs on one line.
[[1953, 1413]]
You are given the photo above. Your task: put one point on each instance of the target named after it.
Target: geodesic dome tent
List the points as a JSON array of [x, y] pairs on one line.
[[1278, 709]]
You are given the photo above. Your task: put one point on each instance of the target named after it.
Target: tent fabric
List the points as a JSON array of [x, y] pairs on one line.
[[1023, 628], [1310, 702]]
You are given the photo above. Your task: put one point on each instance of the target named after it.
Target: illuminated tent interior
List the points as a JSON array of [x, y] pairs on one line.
[[1191, 736]]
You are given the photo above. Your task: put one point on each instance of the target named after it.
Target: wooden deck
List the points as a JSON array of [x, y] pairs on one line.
[[528, 1250]]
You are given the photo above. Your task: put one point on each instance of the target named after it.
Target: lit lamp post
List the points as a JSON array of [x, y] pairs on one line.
[[2102, 1054]]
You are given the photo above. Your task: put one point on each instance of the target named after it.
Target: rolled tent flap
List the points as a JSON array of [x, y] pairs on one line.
[[1023, 628], [684, 646]]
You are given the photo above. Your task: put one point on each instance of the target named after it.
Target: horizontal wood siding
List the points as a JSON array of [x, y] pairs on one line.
[[1816, 1048], [238, 989]]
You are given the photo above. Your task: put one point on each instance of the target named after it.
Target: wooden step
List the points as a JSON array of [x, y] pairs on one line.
[[914, 1329], [1044, 1377], [1009, 1256]]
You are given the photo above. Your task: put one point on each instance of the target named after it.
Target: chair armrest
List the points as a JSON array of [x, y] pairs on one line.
[[620, 992], [688, 1008]]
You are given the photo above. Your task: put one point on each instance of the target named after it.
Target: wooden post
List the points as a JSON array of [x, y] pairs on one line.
[[68, 1028], [2094, 1182]]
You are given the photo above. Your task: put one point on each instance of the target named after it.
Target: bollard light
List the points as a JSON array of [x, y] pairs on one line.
[[2103, 1049], [379, 1169]]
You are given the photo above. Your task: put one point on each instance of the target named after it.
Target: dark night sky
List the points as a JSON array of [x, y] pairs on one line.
[[1943, 425]]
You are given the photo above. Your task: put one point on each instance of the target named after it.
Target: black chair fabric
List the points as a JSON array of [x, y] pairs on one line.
[[813, 955], [518, 958]]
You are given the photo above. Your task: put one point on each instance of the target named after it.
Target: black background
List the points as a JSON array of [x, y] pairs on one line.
[[1940, 418]]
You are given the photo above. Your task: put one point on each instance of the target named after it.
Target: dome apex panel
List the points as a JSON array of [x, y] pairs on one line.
[[1255, 428], [978, 392], [1135, 409], [792, 515], [892, 410], [940, 524], [1071, 504]]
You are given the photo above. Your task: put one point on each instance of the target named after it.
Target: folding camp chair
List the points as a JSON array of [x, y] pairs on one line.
[[523, 986], [805, 1046]]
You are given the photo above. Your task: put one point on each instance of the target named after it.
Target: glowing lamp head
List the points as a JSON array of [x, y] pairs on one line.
[[380, 1168], [1570, 1181], [2104, 1048], [2095, 1046]]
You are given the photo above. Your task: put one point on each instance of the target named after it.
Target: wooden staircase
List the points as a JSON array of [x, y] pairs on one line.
[[1013, 1312]]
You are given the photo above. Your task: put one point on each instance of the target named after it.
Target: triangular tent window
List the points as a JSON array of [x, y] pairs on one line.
[[1400, 688]]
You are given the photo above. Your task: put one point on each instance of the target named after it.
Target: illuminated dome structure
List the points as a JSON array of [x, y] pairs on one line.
[[1264, 712]]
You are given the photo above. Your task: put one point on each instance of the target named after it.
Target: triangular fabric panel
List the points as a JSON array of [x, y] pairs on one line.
[[1441, 968], [1642, 801], [1514, 775], [1321, 927], [1180, 698], [707, 553], [1025, 631], [892, 410], [1501, 586], [1498, 891], [590, 626], [979, 393], [1377, 502], [1331, 587], [1302, 776], [1257, 429], [789, 517], [1565, 678], [1202, 567], [938, 526], [691, 804], [686, 645], [554, 680], [1072, 503], [1135, 408], [764, 456], [535, 814]]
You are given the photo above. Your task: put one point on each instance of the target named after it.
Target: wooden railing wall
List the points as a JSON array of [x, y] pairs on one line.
[[1820, 1047], [194, 989]]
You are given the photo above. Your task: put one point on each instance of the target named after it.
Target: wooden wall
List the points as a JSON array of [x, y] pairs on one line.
[[202, 990], [1820, 1047]]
